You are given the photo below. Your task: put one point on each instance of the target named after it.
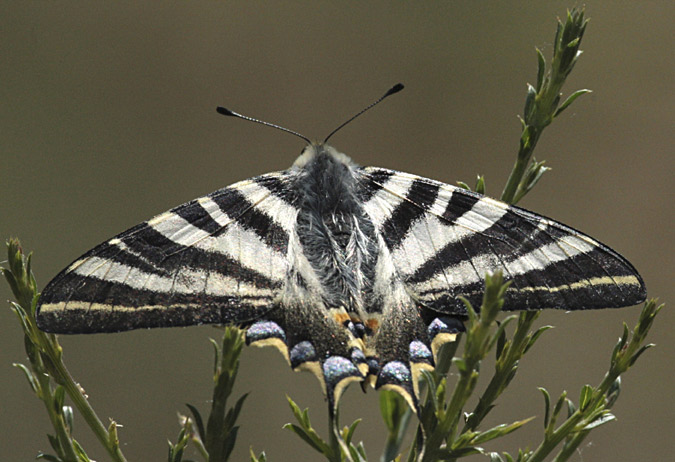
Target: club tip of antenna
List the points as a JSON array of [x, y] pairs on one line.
[[224, 111], [395, 89]]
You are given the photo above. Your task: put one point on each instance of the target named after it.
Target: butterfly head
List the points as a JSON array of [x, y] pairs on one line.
[[314, 151]]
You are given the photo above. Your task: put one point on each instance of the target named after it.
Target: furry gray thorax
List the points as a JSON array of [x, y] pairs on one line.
[[334, 231]]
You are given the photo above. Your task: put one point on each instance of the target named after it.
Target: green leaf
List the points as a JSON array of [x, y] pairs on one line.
[[216, 360], [59, 397], [261, 458], [457, 453], [233, 413], [529, 103], [196, 416], [349, 433], [322, 448], [585, 397], [613, 392], [499, 431], [639, 353], [495, 457], [463, 185], [534, 337], [547, 405], [68, 417], [603, 419], [571, 409], [391, 408], [34, 384], [48, 457], [541, 69], [480, 184], [618, 348], [305, 430], [532, 176], [570, 99]]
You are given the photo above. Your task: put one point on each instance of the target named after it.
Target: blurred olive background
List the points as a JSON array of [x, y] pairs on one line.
[[108, 118]]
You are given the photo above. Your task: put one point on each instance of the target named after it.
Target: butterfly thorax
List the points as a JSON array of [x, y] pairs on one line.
[[336, 236]]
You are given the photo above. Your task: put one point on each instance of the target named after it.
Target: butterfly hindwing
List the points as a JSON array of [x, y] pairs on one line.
[[216, 259]]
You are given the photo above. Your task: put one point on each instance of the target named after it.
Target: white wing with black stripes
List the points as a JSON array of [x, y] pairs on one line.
[[353, 273], [217, 259], [444, 239]]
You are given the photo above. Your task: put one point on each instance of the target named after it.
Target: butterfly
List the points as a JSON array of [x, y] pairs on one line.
[[353, 273]]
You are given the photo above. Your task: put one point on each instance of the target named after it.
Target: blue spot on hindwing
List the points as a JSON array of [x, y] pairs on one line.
[[337, 368], [263, 330], [420, 353], [395, 372], [445, 325], [301, 353]]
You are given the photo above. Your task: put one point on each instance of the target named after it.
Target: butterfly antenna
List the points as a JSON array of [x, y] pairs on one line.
[[227, 112], [395, 89]]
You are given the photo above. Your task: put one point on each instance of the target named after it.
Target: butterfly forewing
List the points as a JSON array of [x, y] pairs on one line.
[[445, 239], [217, 259]]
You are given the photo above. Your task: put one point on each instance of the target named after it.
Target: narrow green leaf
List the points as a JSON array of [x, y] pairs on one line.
[[68, 417], [350, 431], [233, 413], [606, 417], [54, 443], [571, 408], [34, 384], [295, 409], [499, 337], [196, 416], [463, 185], [547, 405], [613, 392], [480, 184], [495, 457], [585, 397], [574, 42], [570, 99], [389, 408], [620, 344], [48, 457], [81, 452], [457, 453], [309, 439], [556, 411], [534, 337], [228, 443], [261, 458], [529, 103], [639, 353], [499, 431], [59, 397], [216, 360], [541, 69]]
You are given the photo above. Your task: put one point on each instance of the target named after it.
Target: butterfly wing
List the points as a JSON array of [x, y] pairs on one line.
[[444, 239], [439, 242], [216, 259]]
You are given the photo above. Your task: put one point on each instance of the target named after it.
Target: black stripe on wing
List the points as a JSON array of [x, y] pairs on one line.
[[235, 204], [421, 196], [579, 293], [113, 312]]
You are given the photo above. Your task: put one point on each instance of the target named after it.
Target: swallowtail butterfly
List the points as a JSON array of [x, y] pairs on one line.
[[352, 272]]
